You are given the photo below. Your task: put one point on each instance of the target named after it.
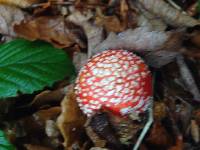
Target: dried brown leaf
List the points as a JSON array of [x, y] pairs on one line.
[[98, 148], [52, 29], [179, 144], [101, 125], [110, 23], [9, 16], [125, 128], [94, 33], [71, 120], [46, 114], [97, 141], [47, 97], [160, 111], [19, 3], [195, 131], [36, 147], [169, 14], [159, 136], [139, 39]]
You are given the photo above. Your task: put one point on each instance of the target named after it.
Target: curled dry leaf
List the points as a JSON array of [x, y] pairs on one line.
[[94, 33], [125, 128], [169, 14], [47, 97], [19, 3], [139, 39], [71, 120], [52, 29], [146, 19], [110, 23], [195, 131], [97, 141], [101, 125], [9, 16], [158, 59], [36, 147]]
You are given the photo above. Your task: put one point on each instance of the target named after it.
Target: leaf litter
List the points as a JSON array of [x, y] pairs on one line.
[[164, 33]]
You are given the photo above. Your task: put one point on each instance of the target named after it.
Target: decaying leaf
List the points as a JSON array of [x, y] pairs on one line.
[[46, 114], [9, 16], [169, 14], [143, 40], [125, 128], [179, 144], [98, 148], [94, 33], [71, 120], [52, 29], [111, 23], [160, 111], [47, 97], [19, 3], [159, 136], [195, 131], [36, 147], [102, 126], [97, 141]]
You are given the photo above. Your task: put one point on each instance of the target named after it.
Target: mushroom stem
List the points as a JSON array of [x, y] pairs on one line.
[[146, 127]]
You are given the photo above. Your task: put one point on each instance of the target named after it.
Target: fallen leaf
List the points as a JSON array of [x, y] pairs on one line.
[[97, 141], [110, 23], [160, 110], [98, 148], [125, 128], [19, 3], [9, 16], [47, 97], [179, 144], [167, 13], [51, 129], [158, 59], [36, 147], [71, 120], [102, 126], [52, 29], [194, 127], [159, 136], [46, 114], [141, 40], [94, 33]]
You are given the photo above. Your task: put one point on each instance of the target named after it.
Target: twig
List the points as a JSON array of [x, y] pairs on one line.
[[188, 78], [146, 127]]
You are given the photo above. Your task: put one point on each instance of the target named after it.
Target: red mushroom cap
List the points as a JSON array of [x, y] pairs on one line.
[[116, 80]]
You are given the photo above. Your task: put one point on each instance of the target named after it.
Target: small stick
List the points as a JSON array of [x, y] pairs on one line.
[[146, 127]]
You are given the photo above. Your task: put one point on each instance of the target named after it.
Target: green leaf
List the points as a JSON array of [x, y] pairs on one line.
[[29, 66], [4, 143]]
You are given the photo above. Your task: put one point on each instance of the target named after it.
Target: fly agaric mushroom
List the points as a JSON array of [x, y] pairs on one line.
[[114, 80]]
